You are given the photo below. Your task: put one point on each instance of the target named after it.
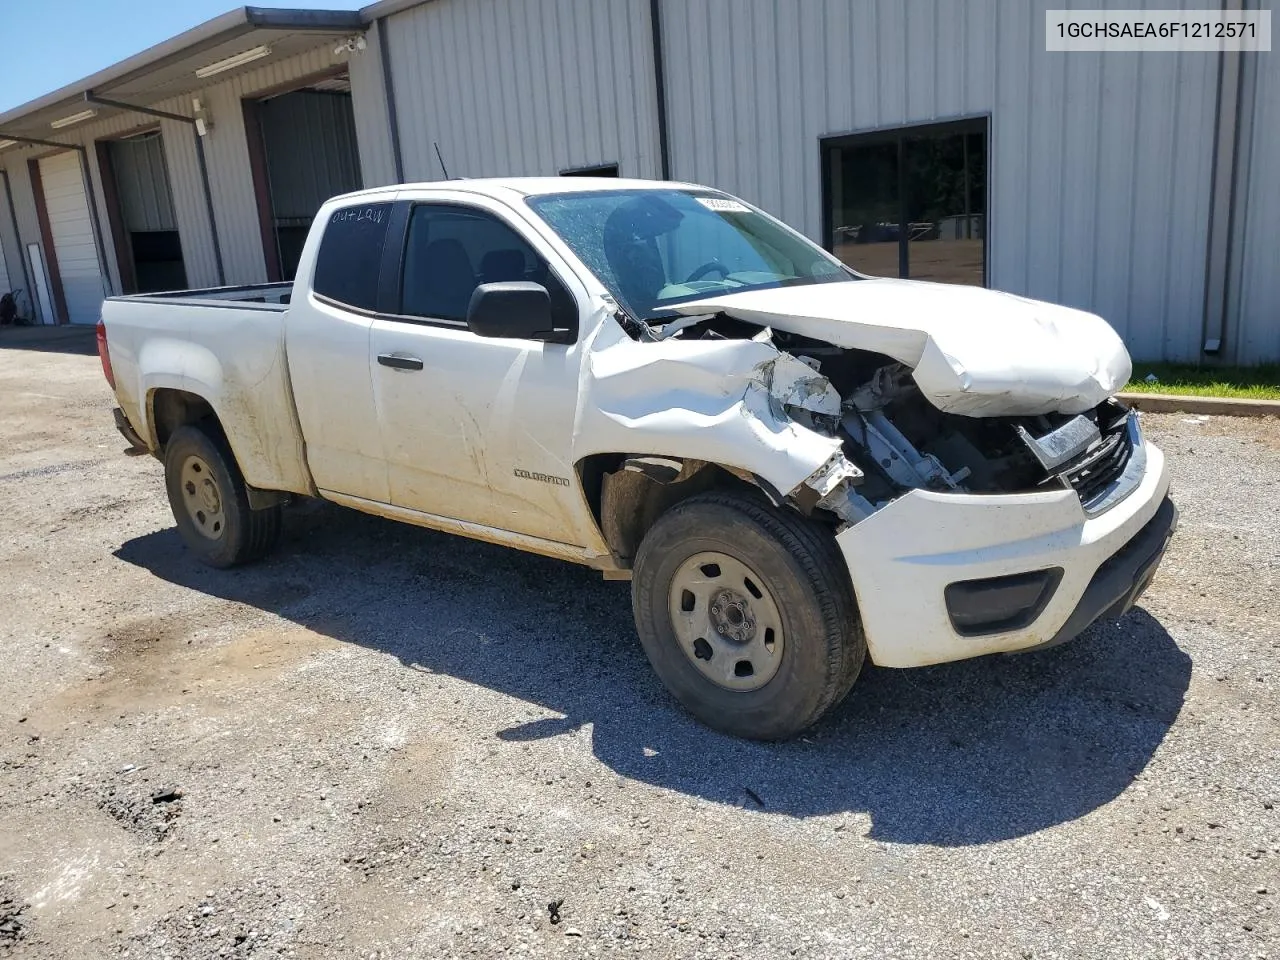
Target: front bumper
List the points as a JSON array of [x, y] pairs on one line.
[[902, 558], [1119, 582]]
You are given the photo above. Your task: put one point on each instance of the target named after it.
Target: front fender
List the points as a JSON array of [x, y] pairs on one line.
[[708, 400]]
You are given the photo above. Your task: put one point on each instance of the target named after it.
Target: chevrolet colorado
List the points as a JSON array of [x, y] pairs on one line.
[[797, 466]]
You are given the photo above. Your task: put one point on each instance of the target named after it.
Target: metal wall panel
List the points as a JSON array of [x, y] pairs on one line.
[[310, 143], [226, 149], [23, 206], [142, 184], [9, 276], [524, 87], [231, 178], [1253, 320], [1100, 164], [373, 122], [190, 210], [23, 199], [85, 135]]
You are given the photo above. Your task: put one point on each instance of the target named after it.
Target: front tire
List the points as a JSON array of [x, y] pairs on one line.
[[747, 614], [209, 502]]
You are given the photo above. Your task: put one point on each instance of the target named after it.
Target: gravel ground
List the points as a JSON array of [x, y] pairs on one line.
[[386, 742]]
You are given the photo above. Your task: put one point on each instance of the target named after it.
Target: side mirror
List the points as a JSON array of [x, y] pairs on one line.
[[513, 308]]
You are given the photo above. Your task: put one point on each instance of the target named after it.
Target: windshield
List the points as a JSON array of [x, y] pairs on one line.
[[653, 249]]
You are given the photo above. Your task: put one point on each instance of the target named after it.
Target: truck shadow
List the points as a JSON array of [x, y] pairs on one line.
[[80, 340], [958, 754]]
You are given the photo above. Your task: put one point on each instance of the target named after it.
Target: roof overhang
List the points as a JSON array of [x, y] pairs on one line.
[[385, 8], [168, 69]]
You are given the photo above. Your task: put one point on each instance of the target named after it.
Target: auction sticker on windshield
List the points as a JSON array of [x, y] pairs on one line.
[[723, 205]]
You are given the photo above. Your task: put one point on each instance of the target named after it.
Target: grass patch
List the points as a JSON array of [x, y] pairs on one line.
[[1250, 383]]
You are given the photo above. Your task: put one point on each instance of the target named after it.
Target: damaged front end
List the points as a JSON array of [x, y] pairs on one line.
[[968, 535], [892, 439], [895, 441], [835, 432]]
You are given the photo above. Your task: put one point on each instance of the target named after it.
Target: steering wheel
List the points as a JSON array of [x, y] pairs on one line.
[[706, 268]]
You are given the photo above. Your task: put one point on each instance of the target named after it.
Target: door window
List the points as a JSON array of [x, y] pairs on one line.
[[451, 250]]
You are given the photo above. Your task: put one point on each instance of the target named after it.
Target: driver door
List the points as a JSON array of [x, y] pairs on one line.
[[475, 429]]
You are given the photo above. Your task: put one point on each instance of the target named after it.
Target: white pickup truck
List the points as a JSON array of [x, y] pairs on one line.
[[797, 466]]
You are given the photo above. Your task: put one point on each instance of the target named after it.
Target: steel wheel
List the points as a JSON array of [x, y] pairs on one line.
[[202, 498], [726, 621]]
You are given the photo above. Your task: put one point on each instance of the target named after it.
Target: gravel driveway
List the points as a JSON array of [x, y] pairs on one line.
[[387, 742]]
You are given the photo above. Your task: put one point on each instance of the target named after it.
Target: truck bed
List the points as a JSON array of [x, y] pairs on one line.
[[273, 295], [226, 346]]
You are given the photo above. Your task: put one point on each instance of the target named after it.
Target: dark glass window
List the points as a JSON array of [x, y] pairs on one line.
[[910, 202], [602, 170], [350, 255], [157, 261], [451, 250]]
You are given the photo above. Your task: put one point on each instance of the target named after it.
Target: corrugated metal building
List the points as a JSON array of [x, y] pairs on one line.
[[926, 138]]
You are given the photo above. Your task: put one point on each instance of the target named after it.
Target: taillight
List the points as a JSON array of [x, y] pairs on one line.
[[105, 355]]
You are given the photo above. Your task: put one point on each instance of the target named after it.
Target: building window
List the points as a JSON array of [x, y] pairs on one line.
[[909, 202], [602, 170]]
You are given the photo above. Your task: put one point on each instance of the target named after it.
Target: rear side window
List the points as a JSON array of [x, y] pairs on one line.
[[350, 256]]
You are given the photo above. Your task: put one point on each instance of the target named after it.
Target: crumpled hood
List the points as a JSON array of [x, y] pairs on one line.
[[977, 352]]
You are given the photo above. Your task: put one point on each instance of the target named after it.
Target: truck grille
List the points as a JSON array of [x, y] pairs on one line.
[[1093, 477]]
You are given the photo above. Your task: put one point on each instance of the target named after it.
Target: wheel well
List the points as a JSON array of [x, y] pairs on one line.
[[171, 409], [628, 492]]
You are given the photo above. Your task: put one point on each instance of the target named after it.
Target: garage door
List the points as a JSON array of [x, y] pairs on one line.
[[72, 232]]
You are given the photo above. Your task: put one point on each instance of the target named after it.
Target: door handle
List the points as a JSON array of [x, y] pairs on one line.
[[399, 363]]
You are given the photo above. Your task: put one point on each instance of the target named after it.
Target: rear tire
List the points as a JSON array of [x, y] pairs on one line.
[[747, 614], [209, 502]]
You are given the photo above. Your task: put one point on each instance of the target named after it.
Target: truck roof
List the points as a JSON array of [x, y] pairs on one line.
[[530, 186]]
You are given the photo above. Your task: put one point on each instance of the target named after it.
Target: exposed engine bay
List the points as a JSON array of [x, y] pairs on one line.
[[892, 439]]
